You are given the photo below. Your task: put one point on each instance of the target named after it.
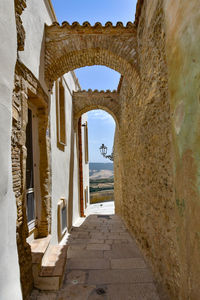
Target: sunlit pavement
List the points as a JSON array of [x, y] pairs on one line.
[[105, 208], [103, 262]]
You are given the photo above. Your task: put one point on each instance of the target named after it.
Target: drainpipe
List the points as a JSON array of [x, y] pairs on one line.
[[80, 166]]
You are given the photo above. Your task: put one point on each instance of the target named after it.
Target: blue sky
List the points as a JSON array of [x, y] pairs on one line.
[[101, 125], [95, 10], [101, 128]]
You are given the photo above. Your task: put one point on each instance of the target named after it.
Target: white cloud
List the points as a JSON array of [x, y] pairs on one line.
[[99, 115]]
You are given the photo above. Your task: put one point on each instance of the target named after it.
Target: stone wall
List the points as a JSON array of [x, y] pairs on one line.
[[69, 47], [84, 101], [20, 5], [18, 161], [27, 89], [182, 19], [157, 145], [145, 153]]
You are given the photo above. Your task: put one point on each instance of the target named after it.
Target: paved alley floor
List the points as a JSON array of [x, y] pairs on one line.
[[103, 262]]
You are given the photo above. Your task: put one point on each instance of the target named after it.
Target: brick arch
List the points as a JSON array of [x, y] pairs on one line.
[[108, 101], [69, 47]]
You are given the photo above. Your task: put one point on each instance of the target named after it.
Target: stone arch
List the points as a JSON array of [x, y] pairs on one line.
[[69, 47], [108, 101]]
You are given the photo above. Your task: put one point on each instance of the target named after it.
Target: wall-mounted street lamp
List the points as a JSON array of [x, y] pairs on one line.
[[103, 150]]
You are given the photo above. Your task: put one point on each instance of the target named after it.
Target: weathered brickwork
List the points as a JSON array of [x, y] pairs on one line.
[[27, 87], [18, 169], [74, 46], [84, 101], [20, 5], [44, 224]]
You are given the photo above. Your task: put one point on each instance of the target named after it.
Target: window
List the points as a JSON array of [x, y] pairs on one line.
[[30, 203], [86, 197], [61, 125], [86, 142], [32, 172], [62, 218]]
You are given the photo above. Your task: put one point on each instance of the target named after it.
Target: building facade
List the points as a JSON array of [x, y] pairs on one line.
[[40, 176]]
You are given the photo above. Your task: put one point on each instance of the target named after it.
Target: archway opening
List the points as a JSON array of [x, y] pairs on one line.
[[101, 130], [96, 109], [98, 78]]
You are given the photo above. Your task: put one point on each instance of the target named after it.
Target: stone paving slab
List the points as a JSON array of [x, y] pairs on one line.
[[103, 262], [140, 291], [81, 253], [76, 277], [98, 247], [119, 276], [75, 292], [127, 263], [84, 242], [88, 263], [99, 236], [73, 247], [122, 251], [95, 241]]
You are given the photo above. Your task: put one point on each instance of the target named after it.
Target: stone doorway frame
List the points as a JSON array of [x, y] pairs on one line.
[[28, 91]]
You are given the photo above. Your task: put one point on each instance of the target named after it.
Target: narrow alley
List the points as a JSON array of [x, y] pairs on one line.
[[103, 262], [64, 66]]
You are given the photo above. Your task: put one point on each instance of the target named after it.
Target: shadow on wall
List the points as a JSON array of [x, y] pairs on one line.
[[42, 63], [71, 187]]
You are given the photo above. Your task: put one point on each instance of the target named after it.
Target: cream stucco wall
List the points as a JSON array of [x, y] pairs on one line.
[[182, 23], [85, 164], [9, 274], [63, 165], [76, 192]]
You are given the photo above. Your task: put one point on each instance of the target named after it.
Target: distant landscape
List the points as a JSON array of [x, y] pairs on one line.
[[101, 170], [101, 182]]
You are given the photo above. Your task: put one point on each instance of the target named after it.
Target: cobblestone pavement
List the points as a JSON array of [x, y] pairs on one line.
[[103, 262]]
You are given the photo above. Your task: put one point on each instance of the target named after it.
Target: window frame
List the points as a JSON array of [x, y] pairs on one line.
[[61, 113]]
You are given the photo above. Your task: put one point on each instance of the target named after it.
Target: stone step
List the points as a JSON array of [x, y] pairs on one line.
[[38, 248], [51, 273]]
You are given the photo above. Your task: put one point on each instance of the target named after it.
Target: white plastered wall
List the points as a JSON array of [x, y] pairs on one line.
[[9, 268], [64, 162], [85, 164], [76, 182], [34, 18]]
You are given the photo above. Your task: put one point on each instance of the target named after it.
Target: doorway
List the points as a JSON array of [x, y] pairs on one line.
[[32, 172]]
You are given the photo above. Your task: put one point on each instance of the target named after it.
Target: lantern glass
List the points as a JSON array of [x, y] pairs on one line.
[[103, 149]]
